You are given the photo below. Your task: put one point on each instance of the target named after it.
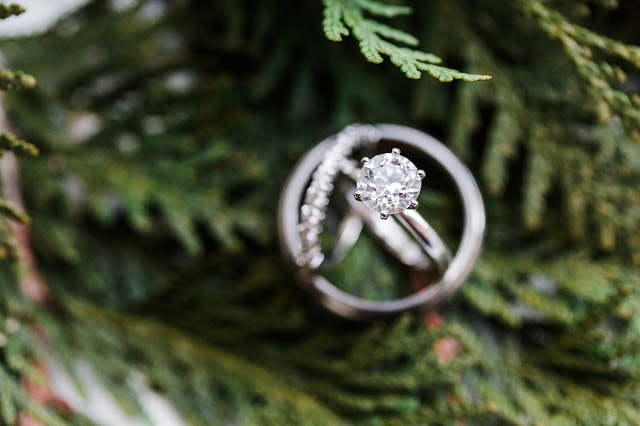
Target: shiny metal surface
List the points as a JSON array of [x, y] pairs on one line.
[[420, 247]]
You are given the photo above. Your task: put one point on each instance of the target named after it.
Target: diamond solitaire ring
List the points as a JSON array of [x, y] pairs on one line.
[[387, 184]]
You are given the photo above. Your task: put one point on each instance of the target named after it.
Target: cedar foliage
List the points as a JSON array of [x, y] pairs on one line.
[[167, 129], [12, 81]]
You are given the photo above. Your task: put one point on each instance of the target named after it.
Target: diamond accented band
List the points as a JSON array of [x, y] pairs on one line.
[[313, 211]]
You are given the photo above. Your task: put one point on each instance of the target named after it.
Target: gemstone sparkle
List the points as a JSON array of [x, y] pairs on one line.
[[389, 183]]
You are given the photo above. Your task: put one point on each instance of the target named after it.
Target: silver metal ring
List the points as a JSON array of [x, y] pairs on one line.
[[460, 266], [402, 244]]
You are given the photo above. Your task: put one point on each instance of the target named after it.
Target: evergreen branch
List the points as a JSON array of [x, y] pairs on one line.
[[9, 211], [23, 398], [332, 24], [140, 335], [577, 42], [443, 74], [16, 80], [13, 399], [589, 185], [8, 251], [10, 10], [342, 15], [555, 24], [9, 142], [378, 8]]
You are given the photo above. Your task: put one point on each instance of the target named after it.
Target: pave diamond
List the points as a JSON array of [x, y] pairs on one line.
[[389, 183]]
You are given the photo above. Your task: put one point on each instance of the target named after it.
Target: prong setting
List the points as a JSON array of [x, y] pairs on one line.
[[388, 183], [414, 205], [384, 215], [365, 160], [358, 195], [422, 174]]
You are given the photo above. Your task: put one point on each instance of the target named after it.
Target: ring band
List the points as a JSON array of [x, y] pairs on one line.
[[461, 265], [334, 159]]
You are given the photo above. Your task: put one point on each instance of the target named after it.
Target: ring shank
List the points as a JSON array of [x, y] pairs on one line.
[[428, 238]]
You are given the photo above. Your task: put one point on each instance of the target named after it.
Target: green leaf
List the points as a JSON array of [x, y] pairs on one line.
[[342, 15]]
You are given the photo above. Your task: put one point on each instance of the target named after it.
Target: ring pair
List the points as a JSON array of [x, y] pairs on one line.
[[388, 184]]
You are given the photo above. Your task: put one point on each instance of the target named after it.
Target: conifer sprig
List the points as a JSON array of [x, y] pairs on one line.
[[342, 17], [12, 81], [10, 212], [9, 142], [10, 10], [579, 45], [16, 80]]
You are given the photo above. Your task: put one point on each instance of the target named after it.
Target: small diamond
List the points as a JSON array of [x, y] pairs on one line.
[[389, 183]]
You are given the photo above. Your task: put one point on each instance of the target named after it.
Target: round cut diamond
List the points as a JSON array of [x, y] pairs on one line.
[[389, 183]]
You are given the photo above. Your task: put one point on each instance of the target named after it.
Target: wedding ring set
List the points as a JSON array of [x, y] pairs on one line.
[[381, 195]]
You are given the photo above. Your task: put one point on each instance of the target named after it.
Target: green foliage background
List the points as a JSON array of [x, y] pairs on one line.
[[167, 129]]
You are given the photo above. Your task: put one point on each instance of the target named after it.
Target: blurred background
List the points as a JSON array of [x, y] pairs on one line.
[[140, 274], [95, 402]]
